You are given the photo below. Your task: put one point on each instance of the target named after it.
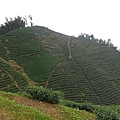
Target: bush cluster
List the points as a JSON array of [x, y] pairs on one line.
[[46, 95], [81, 106], [106, 113], [102, 112]]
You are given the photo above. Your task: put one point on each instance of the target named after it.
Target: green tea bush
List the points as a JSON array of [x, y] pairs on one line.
[[106, 113], [46, 95], [102, 112], [87, 106], [68, 103], [81, 106]]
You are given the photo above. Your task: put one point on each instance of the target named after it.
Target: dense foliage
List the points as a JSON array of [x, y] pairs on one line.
[[17, 22], [46, 95], [102, 112], [107, 113], [107, 43]]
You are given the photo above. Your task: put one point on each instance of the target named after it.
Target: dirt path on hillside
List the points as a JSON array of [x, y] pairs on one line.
[[51, 73], [70, 55], [82, 69]]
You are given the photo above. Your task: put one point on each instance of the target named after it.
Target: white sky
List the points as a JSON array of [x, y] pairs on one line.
[[98, 17]]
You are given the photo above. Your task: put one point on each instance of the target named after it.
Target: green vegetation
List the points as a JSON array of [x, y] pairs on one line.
[[100, 67], [25, 49], [15, 23], [11, 80], [91, 75], [107, 43], [107, 112], [38, 56], [15, 107], [102, 112], [73, 114], [46, 95], [10, 110]]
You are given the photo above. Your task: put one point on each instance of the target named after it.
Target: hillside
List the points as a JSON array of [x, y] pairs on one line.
[[14, 106], [84, 70], [10, 79]]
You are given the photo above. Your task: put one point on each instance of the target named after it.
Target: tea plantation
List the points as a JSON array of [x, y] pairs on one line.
[[11, 80], [92, 74]]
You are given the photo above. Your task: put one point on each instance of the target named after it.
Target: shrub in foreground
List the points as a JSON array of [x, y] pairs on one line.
[[46, 95], [81, 106], [102, 112], [106, 113]]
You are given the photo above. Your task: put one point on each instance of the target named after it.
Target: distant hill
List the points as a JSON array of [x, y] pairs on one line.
[[83, 69]]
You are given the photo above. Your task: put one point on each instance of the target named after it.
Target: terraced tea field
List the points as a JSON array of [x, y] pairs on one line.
[[11, 80], [93, 75], [84, 70], [24, 48]]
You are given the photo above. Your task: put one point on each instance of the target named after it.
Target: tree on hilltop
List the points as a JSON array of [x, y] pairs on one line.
[[17, 22], [92, 37], [30, 16]]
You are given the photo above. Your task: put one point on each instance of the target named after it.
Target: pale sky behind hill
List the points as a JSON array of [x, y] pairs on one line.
[[72, 17]]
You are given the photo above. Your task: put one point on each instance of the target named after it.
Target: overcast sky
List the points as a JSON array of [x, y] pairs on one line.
[[72, 17]]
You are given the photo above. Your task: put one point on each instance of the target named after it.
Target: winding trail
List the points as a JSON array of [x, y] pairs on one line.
[[79, 65], [70, 56], [51, 73]]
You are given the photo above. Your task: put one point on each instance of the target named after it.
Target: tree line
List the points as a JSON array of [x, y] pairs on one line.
[[16, 23], [91, 37]]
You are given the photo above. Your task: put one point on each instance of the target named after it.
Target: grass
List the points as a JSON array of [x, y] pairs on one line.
[[16, 107], [102, 112], [10, 110], [73, 114]]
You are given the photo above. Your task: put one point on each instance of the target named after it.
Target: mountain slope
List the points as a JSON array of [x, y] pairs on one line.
[[24, 49], [84, 70], [92, 74], [10, 79]]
